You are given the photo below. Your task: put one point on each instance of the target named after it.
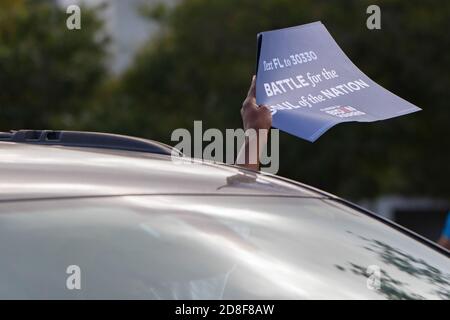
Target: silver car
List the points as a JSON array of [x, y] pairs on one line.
[[96, 216]]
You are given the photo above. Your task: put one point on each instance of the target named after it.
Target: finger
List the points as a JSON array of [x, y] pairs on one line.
[[249, 104], [252, 90], [265, 109]]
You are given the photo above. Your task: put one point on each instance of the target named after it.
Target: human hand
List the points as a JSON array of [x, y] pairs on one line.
[[254, 116]]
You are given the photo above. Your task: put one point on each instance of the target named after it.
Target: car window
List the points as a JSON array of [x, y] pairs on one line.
[[215, 247]]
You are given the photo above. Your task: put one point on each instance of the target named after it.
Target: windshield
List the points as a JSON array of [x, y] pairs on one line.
[[215, 247]]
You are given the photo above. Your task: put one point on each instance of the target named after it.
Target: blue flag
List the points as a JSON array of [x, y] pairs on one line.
[[310, 84]]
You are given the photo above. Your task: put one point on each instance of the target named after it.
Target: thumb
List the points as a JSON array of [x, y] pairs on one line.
[[252, 90]]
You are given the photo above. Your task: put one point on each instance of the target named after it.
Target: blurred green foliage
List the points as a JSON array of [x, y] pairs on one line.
[[201, 63], [47, 72]]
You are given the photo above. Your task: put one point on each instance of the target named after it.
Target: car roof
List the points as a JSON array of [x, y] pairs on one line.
[[35, 172]]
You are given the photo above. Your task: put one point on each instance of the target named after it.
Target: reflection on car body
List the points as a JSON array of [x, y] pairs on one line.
[[140, 226]]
